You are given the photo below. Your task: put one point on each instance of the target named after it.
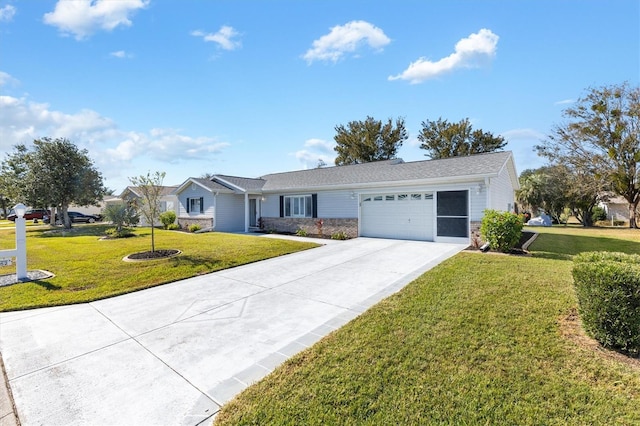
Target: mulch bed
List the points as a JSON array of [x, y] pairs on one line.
[[518, 249], [151, 255]]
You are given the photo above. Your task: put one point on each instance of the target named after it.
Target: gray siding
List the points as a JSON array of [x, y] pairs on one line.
[[181, 210], [229, 213], [502, 192], [337, 204]]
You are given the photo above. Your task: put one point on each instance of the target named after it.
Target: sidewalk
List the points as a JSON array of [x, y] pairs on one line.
[[8, 416]]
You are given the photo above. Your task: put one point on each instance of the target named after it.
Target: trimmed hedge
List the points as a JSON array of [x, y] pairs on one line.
[[608, 290], [502, 230]]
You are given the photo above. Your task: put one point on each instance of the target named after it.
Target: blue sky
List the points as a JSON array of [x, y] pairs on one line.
[[254, 87]]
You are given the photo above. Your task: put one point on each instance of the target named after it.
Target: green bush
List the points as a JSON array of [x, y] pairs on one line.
[[167, 218], [121, 215], [608, 290], [340, 235], [502, 230], [119, 232], [195, 227], [598, 213], [173, 226], [301, 232]]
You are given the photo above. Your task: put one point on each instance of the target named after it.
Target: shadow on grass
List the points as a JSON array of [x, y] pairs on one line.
[[552, 256], [209, 264], [564, 246], [46, 285]]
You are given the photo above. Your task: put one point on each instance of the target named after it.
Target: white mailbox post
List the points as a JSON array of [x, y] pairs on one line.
[[20, 252]]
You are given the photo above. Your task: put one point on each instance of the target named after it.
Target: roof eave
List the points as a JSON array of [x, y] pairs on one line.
[[380, 184]]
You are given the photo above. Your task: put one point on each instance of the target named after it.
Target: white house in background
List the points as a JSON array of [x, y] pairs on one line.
[[97, 210], [617, 208], [168, 200], [433, 200]]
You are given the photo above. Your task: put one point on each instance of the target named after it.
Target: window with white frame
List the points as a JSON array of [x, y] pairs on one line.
[[195, 205], [298, 206]]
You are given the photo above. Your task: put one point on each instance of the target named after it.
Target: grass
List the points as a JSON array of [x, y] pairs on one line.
[[479, 339], [87, 268]]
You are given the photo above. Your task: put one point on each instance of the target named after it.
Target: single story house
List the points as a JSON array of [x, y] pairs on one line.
[[617, 208], [132, 195], [432, 200]]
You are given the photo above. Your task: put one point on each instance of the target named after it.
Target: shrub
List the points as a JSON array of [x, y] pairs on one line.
[[173, 226], [608, 290], [340, 235], [194, 228], [121, 215], [301, 232], [119, 232], [502, 230], [598, 213], [167, 218]]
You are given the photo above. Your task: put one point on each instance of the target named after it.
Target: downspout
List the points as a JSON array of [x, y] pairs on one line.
[[487, 184]]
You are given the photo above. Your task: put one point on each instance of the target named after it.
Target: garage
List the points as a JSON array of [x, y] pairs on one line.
[[408, 216]]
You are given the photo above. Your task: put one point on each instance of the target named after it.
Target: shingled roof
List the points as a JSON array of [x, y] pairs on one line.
[[474, 166]]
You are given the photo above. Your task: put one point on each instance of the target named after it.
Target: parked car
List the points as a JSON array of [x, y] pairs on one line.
[[31, 214], [77, 217]]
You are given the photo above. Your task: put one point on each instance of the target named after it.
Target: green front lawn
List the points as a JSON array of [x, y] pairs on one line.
[[480, 339], [87, 268]]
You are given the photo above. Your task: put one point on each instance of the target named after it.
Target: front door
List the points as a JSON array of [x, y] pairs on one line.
[[253, 212]]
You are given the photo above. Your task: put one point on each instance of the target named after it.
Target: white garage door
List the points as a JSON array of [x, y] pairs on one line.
[[407, 216]]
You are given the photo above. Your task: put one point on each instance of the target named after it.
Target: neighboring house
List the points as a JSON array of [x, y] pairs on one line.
[[617, 208], [108, 199], [433, 200], [168, 199]]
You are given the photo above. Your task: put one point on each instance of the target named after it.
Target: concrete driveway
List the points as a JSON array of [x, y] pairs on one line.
[[174, 354]]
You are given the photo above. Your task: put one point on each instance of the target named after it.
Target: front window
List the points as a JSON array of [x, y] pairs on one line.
[[298, 206], [195, 205]]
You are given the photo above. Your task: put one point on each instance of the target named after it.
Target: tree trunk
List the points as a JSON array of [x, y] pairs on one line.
[[632, 215], [153, 242], [65, 217]]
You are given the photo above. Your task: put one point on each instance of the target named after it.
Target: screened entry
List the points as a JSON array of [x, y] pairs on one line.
[[453, 214]]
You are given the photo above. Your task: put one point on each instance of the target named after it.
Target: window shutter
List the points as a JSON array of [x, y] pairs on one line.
[[314, 205], [282, 206], [188, 204], [201, 204]]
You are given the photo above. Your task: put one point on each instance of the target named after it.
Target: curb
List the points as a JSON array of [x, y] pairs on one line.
[[9, 413]]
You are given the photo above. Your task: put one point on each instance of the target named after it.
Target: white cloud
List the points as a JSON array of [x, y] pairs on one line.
[[7, 13], [523, 134], [470, 52], [344, 39], [316, 150], [224, 38], [121, 54], [116, 152], [82, 18], [564, 102], [6, 79]]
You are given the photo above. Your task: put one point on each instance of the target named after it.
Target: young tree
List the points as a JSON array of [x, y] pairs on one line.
[[368, 140], [150, 188], [601, 141], [54, 173], [442, 139]]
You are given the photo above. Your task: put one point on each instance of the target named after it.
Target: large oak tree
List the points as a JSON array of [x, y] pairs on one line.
[[52, 173], [369, 140], [442, 139], [600, 141]]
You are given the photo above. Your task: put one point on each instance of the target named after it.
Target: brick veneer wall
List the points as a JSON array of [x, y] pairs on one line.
[[186, 222], [475, 240], [310, 225]]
